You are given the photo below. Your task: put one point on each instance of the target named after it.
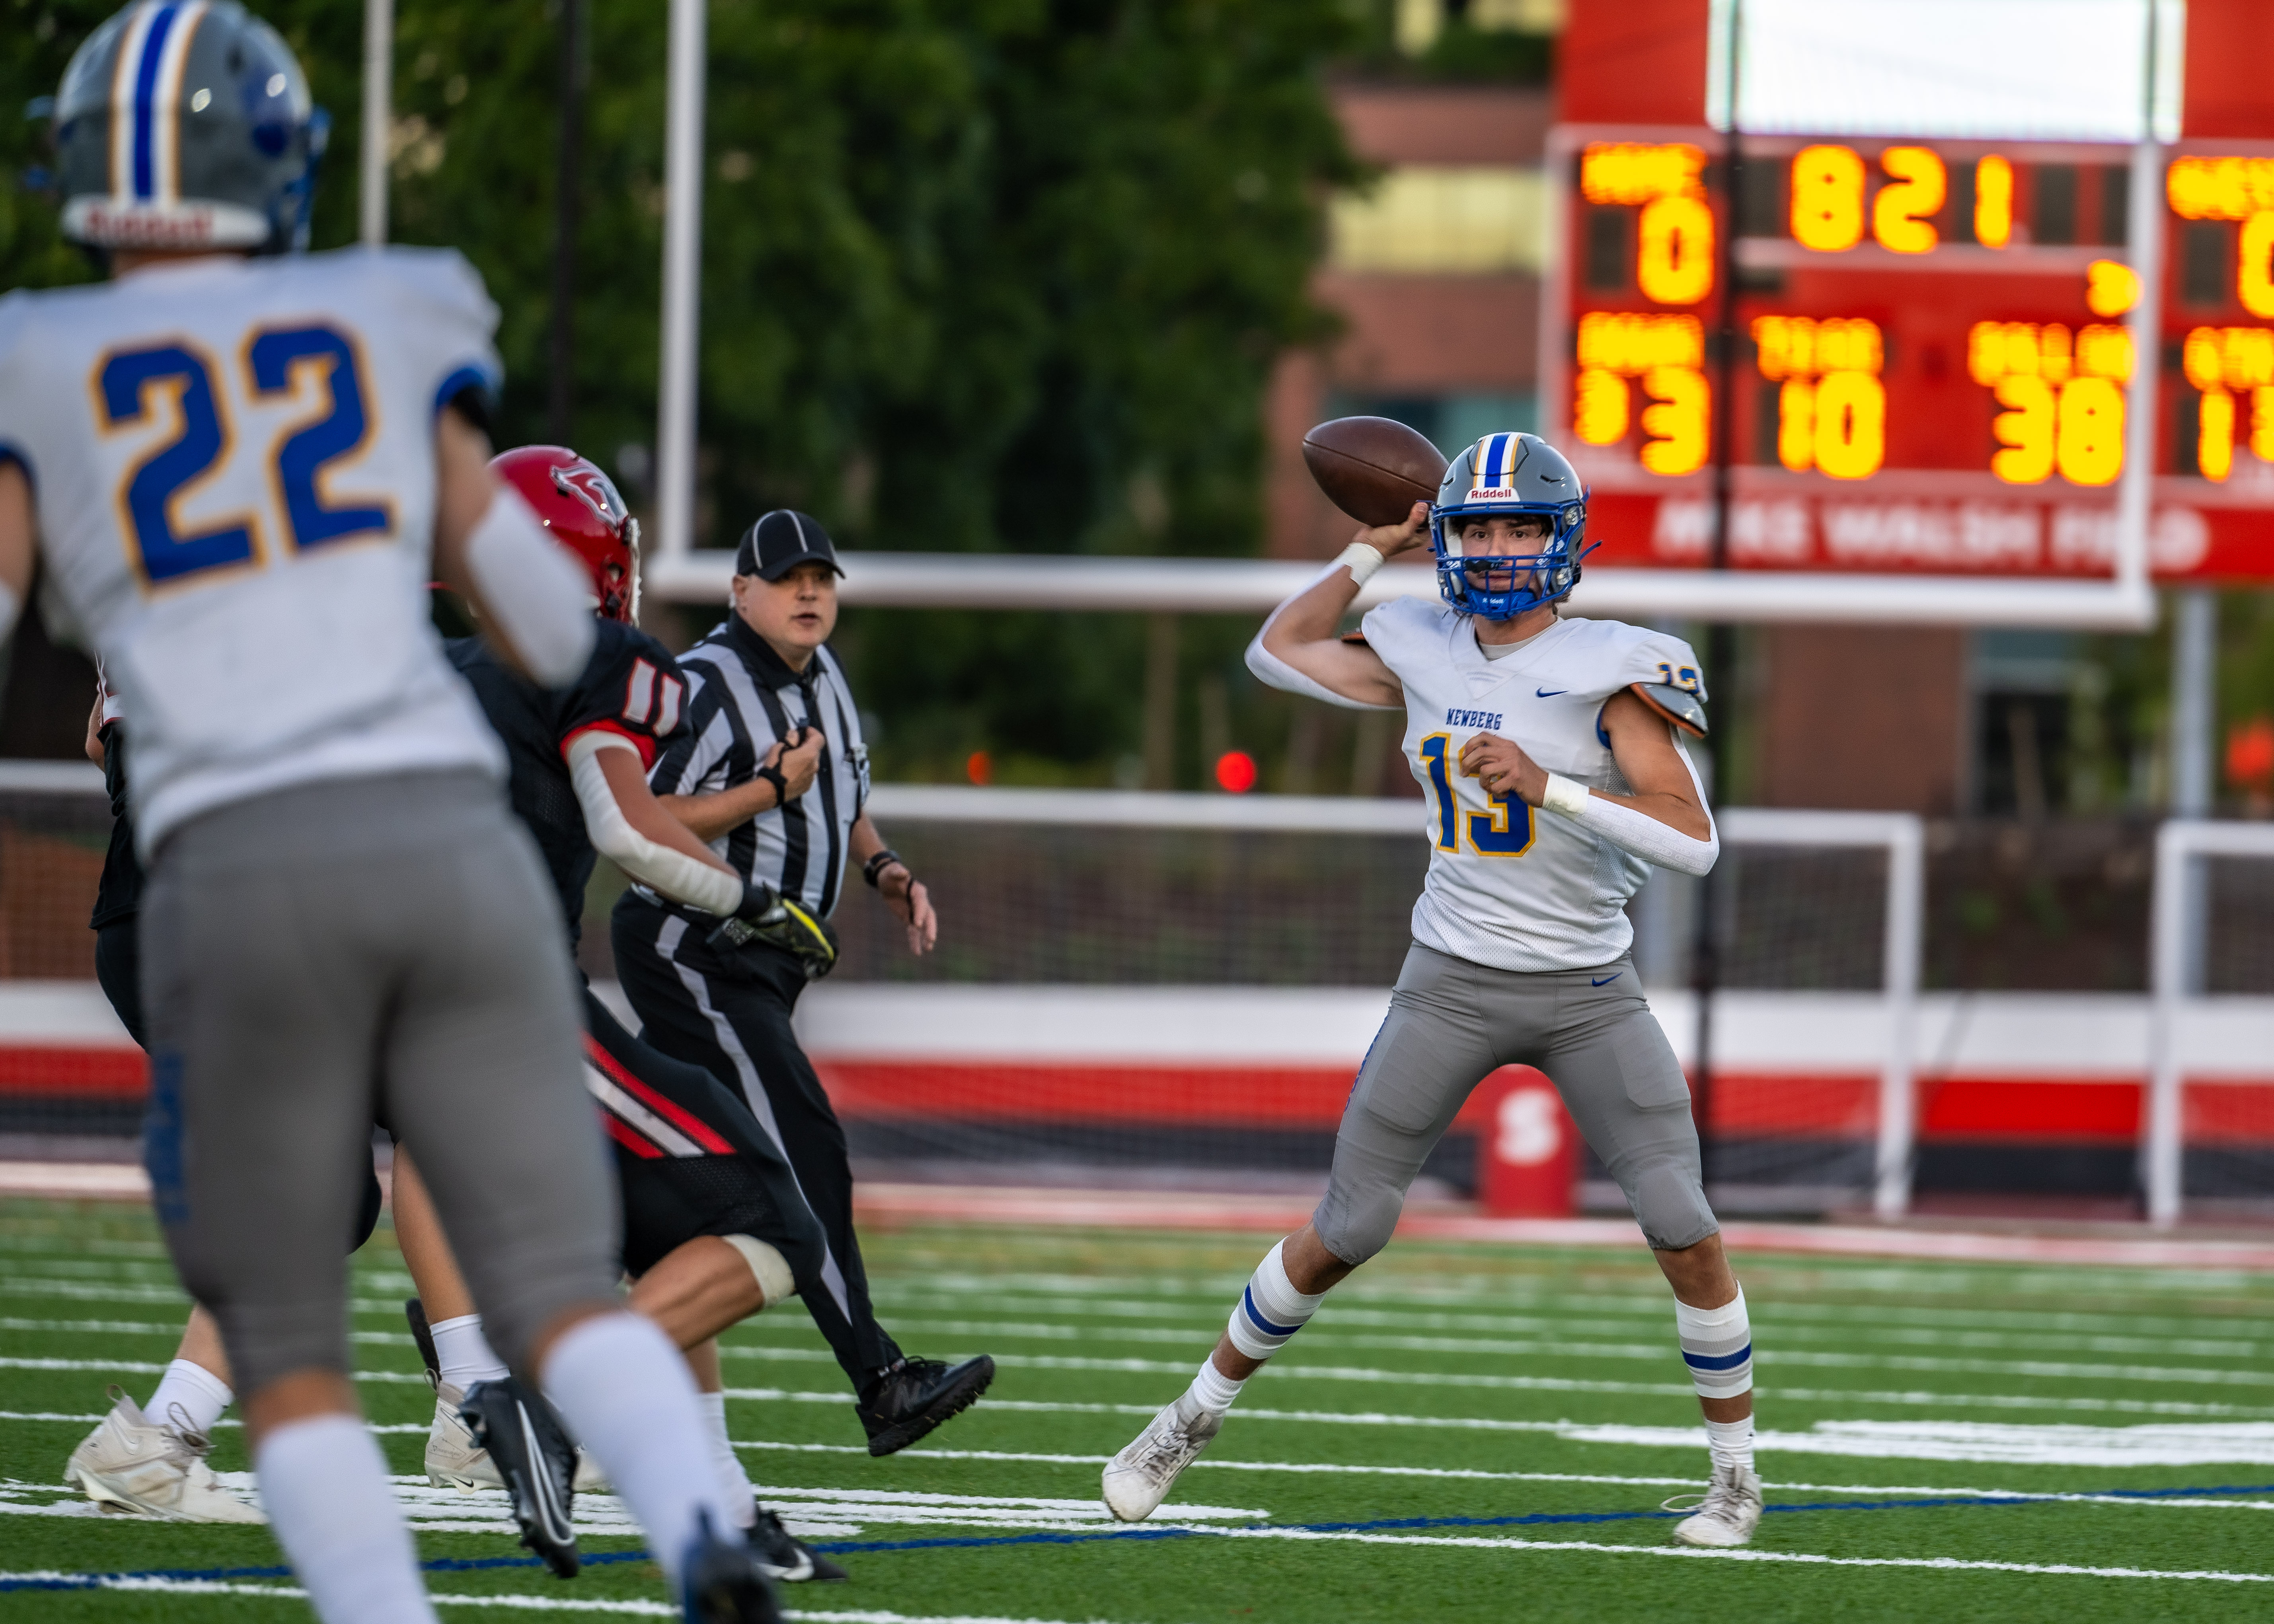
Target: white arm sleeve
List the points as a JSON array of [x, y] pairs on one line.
[[673, 873], [1273, 671], [1635, 831], [534, 590]]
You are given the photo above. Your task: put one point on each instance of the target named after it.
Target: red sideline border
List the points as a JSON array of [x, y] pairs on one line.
[[883, 1204]]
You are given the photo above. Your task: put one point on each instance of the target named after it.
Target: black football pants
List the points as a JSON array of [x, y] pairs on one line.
[[729, 1012]]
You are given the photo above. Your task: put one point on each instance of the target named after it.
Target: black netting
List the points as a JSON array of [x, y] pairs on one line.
[[1098, 904]]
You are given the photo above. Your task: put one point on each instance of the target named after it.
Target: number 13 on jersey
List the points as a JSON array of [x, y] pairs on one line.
[[1506, 831]]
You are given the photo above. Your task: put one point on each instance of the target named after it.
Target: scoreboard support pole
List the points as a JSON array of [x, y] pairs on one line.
[[378, 119], [2143, 231], [682, 280]]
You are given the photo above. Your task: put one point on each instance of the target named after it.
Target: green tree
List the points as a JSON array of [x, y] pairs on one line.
[[994, 274]]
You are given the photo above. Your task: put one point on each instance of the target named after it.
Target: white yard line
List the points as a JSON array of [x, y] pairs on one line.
[[1940, 1564], [515, 1602], [1780, 1322], [143, 1367], [1771, 1443], [1565, 1384], [1766, 1354]]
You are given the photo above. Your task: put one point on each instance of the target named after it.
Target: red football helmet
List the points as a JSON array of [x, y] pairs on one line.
[[580, 505]]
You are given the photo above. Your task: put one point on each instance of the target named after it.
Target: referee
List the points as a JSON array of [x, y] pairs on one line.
[[770, 771]]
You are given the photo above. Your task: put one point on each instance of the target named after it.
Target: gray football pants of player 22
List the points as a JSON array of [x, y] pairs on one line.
[[1451, 1023], [330, 952]]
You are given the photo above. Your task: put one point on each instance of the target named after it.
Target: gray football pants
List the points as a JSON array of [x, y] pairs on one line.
[[329, 954], [1452, 1023]]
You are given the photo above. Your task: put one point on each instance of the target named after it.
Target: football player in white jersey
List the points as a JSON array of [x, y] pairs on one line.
[[1547, 751], [243, 465]]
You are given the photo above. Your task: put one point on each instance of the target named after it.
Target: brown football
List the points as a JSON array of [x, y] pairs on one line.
[[1374, 469]]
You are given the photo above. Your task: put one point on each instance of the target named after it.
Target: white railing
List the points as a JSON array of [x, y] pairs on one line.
[[1001, 581], [50, 778], [2177, 930]]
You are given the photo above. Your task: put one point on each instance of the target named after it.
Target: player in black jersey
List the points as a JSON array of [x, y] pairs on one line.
[[712, 1226]]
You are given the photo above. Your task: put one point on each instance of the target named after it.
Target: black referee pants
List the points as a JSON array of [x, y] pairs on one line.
[[729, 1012]]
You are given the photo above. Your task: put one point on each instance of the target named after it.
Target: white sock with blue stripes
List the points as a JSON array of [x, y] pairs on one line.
[[1270, 1310], [1717, 1345]]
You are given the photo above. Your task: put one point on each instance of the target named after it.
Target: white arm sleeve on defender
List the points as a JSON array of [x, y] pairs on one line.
[[673, 873], [1273, 671], [534, 590], [1635, 831]]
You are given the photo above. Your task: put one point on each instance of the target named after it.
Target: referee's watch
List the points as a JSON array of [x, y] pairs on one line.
[[773, 774]]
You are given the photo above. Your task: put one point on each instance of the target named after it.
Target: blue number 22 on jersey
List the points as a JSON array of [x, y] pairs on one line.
[[280, 362]]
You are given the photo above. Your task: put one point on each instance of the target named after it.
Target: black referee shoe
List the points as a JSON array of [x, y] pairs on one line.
[[786, 1558], [915, 1396], [532, 1452]]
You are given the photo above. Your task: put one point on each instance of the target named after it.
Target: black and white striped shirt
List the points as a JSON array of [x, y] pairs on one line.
[[742, 699]]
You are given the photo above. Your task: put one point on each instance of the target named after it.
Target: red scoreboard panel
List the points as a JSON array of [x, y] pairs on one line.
[[1932, 353]]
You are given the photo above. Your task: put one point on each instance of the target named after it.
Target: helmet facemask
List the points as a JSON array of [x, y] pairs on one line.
[[1508, 477]]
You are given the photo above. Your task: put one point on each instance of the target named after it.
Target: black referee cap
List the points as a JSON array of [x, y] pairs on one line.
[[780, 542]]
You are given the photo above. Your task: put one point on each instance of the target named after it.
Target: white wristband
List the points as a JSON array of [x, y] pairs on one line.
[[1565, 796], [1363, 561]]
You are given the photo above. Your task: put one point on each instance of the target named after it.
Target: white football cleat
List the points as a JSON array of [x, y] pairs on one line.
[[454, 1461], [1139, 1477], [132, 1464], [1727, 1512]]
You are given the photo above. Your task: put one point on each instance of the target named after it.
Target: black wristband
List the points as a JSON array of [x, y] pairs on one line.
[[773, 775], [877, 863]]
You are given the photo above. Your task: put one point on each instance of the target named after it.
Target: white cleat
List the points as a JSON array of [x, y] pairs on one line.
[[1139, 1477], [133, 1465], [1728, 1513], [454, 1461]]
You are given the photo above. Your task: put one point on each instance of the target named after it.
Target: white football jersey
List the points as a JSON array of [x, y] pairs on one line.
[[1512, 886], [234, 466]]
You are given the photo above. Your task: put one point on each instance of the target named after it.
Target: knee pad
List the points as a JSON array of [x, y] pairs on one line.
[[1354, 1225], [1669, 1204], [772, 1270]]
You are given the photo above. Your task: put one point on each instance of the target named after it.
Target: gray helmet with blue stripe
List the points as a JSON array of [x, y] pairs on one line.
[[187, 124], [1508, 476]]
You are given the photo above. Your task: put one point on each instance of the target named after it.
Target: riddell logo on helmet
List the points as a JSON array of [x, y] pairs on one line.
[[182, 228], [1494, 493]]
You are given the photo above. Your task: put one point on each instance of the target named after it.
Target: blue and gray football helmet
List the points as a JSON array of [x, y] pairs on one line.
[[187, 124], [1508, 476]]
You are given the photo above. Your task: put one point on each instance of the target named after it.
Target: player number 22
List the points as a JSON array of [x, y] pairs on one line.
[[1506, 831], [177, 378]]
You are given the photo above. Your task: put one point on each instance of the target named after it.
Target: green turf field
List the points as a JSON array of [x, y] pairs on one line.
[[1466, 1432]]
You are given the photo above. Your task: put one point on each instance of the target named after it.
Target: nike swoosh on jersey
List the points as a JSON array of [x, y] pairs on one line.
[[1548, 693], [1608, 980]]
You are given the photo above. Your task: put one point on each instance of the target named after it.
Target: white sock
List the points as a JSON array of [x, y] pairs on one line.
[[1731, 1442], [1212, 1390], [1717, 1345], [464, 1353], [1270, 1310], [199, 1393], [323, 1483], [626, 1393], [732, 1477]]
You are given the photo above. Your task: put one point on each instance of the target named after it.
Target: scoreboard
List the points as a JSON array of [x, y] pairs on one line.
[[1933, 349]]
